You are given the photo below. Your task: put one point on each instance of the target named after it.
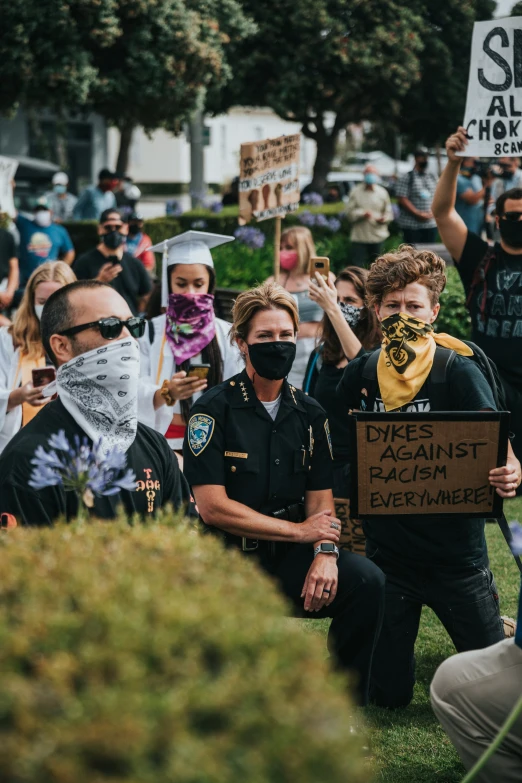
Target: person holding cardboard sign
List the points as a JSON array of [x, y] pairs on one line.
[[491, 276], [442, 563]]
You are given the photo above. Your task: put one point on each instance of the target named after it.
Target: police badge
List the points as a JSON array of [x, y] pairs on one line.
[[200, 431]]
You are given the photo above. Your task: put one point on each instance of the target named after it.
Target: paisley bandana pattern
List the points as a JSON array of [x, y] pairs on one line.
[[100, 391], [190, 324], [406, 358]]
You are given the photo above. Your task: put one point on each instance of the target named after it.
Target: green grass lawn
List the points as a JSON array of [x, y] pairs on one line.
[[409, 746]]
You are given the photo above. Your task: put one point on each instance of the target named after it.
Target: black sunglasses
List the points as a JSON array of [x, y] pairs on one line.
[[110, 328], [513, 217]]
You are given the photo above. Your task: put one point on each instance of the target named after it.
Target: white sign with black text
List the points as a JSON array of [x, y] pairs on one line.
[[493, 116]]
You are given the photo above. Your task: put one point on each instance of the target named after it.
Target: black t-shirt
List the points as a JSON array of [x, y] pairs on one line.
[[451, 542], [267, 465], [132, 283], [7, 251], [498, 329], [154, 465]]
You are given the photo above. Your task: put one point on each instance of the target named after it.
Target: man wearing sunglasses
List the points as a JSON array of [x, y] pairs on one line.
[[90, 335], [492, 278], [110, 263]]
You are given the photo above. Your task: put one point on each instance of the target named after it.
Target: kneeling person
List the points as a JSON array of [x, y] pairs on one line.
[[89, 333], [257, 454], [441, 563]]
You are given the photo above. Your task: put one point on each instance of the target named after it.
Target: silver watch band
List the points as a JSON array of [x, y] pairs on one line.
[[319, 550]]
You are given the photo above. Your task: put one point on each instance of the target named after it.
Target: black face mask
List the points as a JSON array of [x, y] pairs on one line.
[[272, 361], [113, 240], [133, 229], [506, 174], [422, 165], [511, 232]]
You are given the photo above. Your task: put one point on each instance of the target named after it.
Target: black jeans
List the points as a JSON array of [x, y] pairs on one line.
[[420, 236], [465, 601], [365, 253], [356, 612]]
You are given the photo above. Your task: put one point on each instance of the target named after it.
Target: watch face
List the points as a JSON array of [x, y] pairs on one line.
[[328, 547]]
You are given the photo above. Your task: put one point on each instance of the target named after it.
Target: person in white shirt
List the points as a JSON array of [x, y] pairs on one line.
[[370, 212], [21, 350], [188, 335]]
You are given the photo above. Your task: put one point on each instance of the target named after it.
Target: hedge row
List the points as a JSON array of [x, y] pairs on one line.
[[150, 654]]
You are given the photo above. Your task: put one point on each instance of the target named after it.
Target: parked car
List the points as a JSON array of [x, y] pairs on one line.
[[33, 179]]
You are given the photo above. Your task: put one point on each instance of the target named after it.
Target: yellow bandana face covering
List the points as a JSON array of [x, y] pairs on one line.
[[406, 358]]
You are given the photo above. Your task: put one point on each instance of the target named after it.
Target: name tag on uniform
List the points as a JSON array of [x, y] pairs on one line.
[[236, 454]]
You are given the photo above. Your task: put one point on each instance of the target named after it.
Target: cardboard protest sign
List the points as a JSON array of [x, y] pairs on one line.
[[8, 168], [435, 464], [269, 178], [493, 116]]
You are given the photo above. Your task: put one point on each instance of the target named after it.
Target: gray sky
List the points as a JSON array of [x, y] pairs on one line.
[[504, 7]]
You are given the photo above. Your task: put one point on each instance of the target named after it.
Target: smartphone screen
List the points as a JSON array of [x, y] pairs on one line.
[[43, 375], [321, 265], [200, 371]]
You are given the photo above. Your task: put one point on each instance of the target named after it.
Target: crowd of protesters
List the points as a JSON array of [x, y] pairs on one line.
[[246, 424]]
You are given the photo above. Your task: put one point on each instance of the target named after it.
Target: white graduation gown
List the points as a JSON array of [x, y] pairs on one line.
[[10, 374], [161, 418]]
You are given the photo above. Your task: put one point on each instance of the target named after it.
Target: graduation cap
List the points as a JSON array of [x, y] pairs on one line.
[[191, 247]]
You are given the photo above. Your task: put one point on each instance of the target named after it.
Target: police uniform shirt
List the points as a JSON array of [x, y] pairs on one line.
[[267, 465], [159, 480]]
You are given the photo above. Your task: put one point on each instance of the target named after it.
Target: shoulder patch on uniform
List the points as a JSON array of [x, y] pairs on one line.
[[200, 431], [328, 437]]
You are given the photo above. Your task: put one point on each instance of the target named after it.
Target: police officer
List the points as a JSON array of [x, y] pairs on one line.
[[258, 457]]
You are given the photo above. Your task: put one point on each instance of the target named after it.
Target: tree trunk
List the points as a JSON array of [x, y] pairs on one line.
[[126, 132], [326, 143]]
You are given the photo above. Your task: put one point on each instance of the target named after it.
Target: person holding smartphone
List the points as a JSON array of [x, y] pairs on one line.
[[22, 356], [296, 251], [186, 349]]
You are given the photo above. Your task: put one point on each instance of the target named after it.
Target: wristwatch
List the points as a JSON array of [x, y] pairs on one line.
[[326, 549]]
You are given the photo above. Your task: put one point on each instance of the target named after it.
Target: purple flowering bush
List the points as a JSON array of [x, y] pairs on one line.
[[313, 199], [84, 469], [318, 220], [173, 208], [252, 237]]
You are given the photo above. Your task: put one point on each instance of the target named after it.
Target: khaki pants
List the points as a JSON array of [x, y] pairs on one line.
[[472, 694]]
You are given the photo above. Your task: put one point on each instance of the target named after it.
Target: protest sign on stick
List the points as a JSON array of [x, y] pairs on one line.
[[493, 115], [8, 167], [428, 464], [269, 182]]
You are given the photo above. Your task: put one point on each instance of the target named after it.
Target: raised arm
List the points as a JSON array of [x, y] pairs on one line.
[[452, 229]]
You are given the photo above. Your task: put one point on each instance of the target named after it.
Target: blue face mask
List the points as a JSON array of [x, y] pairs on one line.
[[370, 179], [60, 189]]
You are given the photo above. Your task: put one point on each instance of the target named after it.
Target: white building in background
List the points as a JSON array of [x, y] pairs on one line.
[[165, 159]]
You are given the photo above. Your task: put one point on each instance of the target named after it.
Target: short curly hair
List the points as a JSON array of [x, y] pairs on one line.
[[394, 271]]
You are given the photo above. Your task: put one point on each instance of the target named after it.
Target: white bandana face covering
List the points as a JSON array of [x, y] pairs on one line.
[[100, 391]]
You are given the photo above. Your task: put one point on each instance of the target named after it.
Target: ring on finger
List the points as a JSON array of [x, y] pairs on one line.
[[335, 525], [327, 591]]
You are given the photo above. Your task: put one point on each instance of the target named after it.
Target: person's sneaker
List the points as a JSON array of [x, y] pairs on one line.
[[510, 626]]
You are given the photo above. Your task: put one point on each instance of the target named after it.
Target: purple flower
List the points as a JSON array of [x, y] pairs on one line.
[[321, 221], [334, 225], [314, 199], [199, 224], [250, 236], [516, 532], [307, 219], [216, 207], [173, 208], [81, 467]]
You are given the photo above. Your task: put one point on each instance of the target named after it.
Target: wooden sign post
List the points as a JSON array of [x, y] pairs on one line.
[[269, 183], [433, 464]]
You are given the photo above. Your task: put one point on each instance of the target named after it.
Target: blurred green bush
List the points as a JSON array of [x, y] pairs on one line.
[[454, 316], [148, 654]]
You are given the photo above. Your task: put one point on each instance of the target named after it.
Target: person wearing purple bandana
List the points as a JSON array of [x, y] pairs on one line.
[[188, 334]]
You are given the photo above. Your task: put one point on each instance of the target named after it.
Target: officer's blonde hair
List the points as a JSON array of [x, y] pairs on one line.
[[269, 296]]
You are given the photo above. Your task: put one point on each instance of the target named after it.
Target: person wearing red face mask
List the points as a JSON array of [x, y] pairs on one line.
[[296, 249], [97, 198], [188, 334]]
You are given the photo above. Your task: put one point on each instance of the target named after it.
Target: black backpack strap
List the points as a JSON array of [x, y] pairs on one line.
[[151, 331], [369, 377], [437, 379], [506, 532]]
